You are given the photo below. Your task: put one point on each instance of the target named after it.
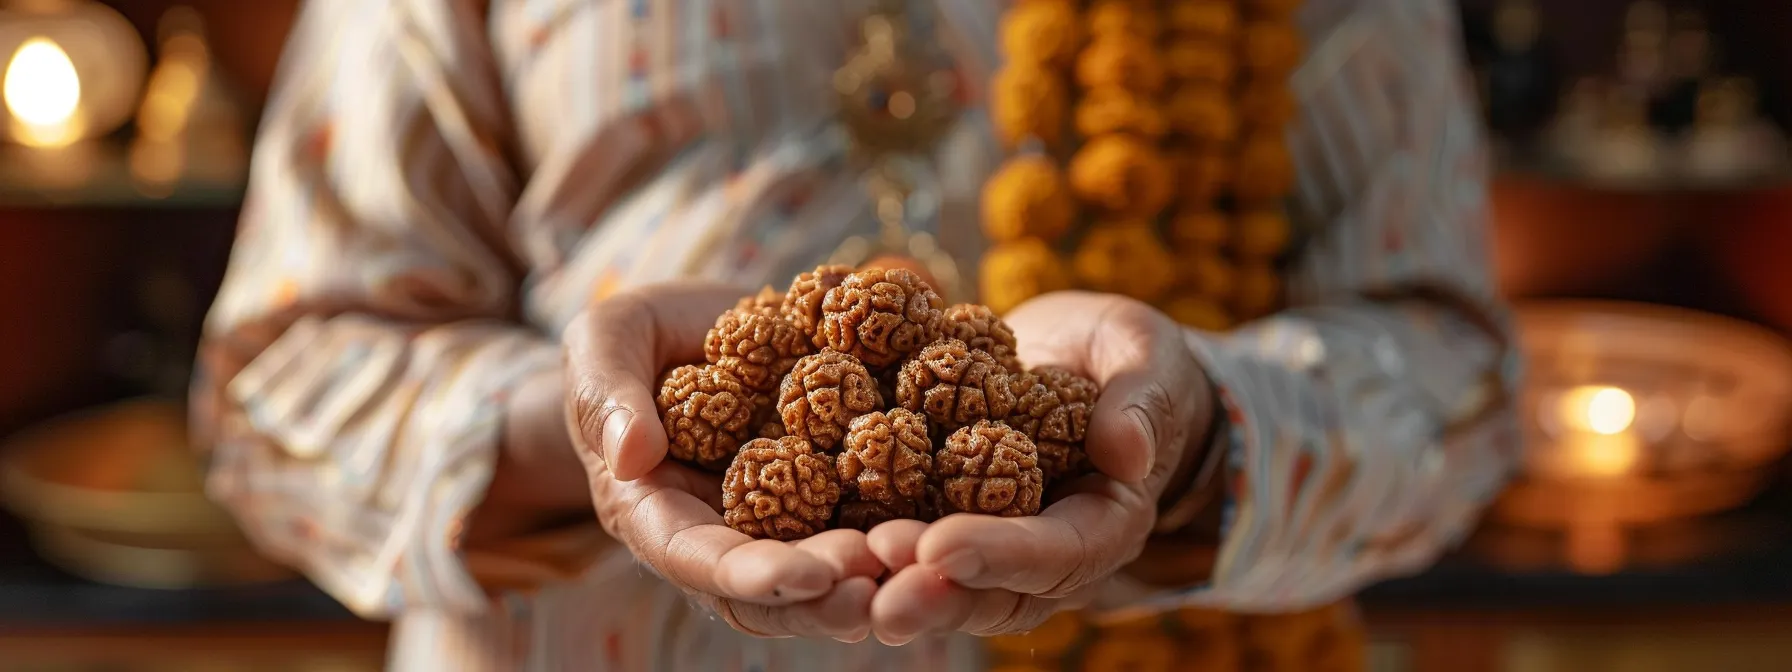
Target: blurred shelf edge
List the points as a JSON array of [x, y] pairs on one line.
[[1535, 165], [107, 174]]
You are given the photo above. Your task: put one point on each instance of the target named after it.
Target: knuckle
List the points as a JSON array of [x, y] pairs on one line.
[[627, 308], [1026, 614]]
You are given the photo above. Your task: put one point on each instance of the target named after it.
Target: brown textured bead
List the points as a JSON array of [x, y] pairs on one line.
[[859, 514], [757, 349], [802, 303], [765, 406], [989, 468], [767, 302], [1052, 407], [980, 328], [707, 414], [780, 489], [955, 386], [888, 457], [772, 430], [822, 395], [881, 316]]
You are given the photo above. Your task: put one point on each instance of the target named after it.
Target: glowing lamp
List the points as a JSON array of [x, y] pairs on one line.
[[70, 70]]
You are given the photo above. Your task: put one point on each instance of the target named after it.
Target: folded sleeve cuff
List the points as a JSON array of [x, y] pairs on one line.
[[359, 447]]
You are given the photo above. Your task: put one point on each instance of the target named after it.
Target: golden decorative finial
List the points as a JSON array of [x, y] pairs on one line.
[[899, 96]]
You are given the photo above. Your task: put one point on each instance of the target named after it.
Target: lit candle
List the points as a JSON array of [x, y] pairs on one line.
[[42, 93], [1600, 442]]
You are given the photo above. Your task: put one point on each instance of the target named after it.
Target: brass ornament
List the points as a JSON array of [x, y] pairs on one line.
[[899, 97]]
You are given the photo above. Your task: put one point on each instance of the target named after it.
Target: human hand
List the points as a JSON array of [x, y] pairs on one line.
[[668, 514], [986, 575]]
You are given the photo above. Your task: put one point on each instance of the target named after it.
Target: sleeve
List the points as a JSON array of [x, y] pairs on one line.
[[355, 364], [1368, 425]]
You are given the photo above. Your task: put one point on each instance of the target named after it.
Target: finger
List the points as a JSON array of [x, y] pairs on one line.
[[848, 552], [844, 613], [682, 538], [615, 351], [894, 542], [1137, 357], [762, 571], [914, 602], [917, 602], [1075, 542]]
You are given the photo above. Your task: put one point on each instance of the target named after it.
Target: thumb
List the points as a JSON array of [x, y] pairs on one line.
[[1144, 414], [615, 353], [1126, 430]]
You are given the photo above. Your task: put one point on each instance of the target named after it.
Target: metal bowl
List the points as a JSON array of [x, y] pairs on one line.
[[116, 495]]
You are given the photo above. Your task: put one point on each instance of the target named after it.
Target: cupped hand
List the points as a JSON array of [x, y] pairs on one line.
[[666, 513], [989, 576]]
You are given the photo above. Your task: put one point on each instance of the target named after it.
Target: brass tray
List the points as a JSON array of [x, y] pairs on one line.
[[121, 468]]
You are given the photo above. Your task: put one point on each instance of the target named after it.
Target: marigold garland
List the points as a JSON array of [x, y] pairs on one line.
[[1158, 127]]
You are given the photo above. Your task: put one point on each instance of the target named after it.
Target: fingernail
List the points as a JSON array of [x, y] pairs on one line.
[[615, 426], [798, 593], [962, 565]]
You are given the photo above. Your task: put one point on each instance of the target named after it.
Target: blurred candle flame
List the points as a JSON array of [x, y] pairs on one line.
[[1603, 417], [1599, 409], [42, 92]]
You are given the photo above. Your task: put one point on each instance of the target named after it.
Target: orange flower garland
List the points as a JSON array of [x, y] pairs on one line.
[[1149, 157], [1148, 160]]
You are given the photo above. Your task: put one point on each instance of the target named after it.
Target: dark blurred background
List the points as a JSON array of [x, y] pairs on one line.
[[1642, 159]]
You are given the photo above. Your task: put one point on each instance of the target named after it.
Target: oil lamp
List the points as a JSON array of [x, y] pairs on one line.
[[72, 70], [1635, 416]]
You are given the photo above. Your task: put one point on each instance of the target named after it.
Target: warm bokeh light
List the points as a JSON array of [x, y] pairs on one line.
[[42, 92], [1599, 409]]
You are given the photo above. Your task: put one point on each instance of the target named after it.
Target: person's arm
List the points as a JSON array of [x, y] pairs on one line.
[[364, 353], [1366, 427]]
